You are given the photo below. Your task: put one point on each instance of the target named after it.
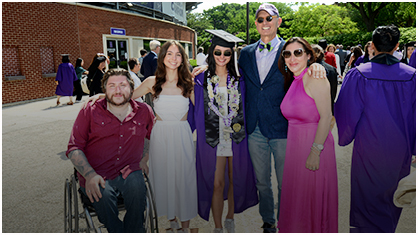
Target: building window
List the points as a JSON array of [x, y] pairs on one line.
[[11, 65], [47, 60], [190, 46]]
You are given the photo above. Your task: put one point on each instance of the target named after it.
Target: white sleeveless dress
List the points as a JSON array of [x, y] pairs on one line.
[[172, 160]]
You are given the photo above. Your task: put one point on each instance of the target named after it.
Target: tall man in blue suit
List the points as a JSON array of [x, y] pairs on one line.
[[149, 65], [266, 126]]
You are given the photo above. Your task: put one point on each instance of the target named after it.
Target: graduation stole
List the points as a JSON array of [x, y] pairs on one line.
[[233, 120]]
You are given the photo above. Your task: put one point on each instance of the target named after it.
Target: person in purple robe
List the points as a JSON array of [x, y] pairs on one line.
[[65, 79], [376, 109], [368, 54], [223, 164]]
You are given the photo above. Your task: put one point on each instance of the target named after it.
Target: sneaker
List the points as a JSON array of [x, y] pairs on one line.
[[218, 230], [268, 228], [229, 225]]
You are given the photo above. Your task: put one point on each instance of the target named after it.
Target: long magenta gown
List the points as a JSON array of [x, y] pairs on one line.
[[309, 199]]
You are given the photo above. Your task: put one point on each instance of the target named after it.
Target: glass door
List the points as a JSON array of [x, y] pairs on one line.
[[117, 50]]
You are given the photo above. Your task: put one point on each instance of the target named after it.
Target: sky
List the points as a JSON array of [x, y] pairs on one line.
[[205, 5], [208, 4]]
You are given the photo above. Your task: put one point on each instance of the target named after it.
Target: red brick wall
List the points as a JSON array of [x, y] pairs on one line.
[[28, 26], [96, 22]]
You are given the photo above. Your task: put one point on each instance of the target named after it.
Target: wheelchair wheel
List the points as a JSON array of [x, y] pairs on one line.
[[67, 207], [71, 215], [151, 218], [89, 222], [75, 204]]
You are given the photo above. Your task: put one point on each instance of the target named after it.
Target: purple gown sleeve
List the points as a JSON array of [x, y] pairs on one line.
[[190, 116], [60, 74], [350, 96]]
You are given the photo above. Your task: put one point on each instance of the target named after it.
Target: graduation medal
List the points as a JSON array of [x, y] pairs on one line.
[[236, 127]]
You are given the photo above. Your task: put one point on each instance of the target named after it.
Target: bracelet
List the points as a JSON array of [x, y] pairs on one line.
[[320, 147], [315, 151]]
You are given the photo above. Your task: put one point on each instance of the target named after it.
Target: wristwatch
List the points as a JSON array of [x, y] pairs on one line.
[[320, 147]]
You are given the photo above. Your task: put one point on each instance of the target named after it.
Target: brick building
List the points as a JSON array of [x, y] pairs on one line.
[[36, 33]]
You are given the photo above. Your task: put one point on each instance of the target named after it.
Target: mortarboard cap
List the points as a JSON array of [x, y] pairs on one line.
[[410, 44], [225, 39], [323, 43], [65, 58]]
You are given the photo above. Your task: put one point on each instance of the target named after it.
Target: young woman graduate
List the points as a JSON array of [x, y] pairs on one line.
[[223, 164]]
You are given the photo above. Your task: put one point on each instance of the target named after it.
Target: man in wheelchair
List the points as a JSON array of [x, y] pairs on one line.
[[108, 148]]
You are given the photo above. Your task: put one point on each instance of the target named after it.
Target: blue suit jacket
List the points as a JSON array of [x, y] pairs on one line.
[[263, 101], [149, 65]]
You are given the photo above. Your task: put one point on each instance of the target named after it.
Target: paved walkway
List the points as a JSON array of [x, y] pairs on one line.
[[35, 138]]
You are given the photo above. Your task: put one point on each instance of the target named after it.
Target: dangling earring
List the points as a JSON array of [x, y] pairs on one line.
[[285, 68]]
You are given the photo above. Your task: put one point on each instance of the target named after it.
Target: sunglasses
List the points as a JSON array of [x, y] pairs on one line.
[[219, 53], [268, 18], [287, 54]]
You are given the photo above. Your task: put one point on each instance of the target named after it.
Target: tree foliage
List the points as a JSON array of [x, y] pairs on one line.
[[373, 14], [345, 23], [319, 20]]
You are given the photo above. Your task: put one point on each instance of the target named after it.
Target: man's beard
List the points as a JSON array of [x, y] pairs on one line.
[[125, 100]]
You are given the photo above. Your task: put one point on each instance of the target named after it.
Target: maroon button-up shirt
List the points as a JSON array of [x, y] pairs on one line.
[[112, 147]]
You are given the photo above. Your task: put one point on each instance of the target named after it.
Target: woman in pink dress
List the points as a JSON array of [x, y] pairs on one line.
[[309, 199]]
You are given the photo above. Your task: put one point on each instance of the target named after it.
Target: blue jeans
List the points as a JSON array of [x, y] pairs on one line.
[[133, 191], [261, 148]]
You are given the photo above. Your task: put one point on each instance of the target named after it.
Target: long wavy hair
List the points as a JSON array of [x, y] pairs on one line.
[[185, 82], [287, 74], [212, 63]]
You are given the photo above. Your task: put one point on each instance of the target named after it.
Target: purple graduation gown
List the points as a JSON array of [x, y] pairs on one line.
[[65, 76], [245, 191], [376, 109]]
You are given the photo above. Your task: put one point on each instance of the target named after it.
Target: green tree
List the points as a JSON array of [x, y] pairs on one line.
[[319, 20], [369, 12], [370, 15], [338, 23], [198, 22]]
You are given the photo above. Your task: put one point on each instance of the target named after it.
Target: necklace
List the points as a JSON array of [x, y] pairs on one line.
[[233, 102]]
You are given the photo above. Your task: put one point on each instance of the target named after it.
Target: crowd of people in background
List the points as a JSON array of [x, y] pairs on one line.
[[277, 107]]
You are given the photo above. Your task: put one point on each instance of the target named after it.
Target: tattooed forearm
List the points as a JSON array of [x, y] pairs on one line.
[[80, 162]]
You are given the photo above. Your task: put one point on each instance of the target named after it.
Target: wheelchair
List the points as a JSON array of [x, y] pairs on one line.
[[72, 215]]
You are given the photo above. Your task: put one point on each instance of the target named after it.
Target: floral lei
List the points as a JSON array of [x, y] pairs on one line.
[[233, 100]]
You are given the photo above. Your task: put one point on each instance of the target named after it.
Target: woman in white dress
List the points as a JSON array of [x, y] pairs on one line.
[[172, 163]]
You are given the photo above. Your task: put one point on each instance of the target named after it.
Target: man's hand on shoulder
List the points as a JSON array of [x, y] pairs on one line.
[[198, 70], [317, 71], [92, 100]]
